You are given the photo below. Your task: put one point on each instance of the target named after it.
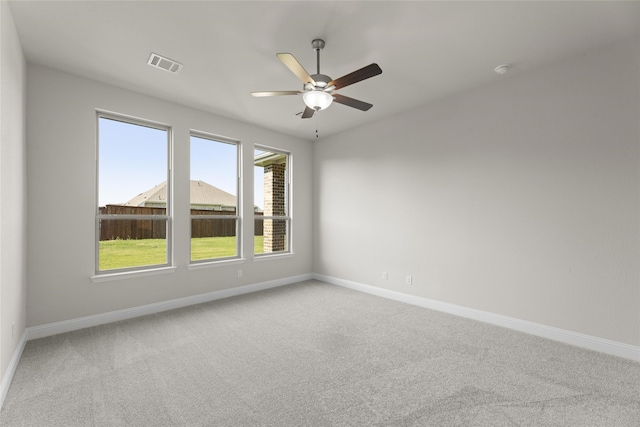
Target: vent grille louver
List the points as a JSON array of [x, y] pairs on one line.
[[164, 63]]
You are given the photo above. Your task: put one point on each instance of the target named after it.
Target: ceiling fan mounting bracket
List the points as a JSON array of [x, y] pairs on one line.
[[317, 44]]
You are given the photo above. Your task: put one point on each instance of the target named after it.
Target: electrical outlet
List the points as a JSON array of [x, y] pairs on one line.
[[239, 273], [409, 280], [385, 275]]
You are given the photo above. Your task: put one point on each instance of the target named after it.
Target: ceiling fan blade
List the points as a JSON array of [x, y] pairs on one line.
[[292, 63], [275, 93], [308, 113], [357, 76], [355, 103]]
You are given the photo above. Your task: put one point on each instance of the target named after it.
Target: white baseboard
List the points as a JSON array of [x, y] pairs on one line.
[[129, 313], [11, 369], [568, 337]]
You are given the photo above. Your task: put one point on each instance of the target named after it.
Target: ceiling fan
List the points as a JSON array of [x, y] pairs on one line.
[[318, 90]]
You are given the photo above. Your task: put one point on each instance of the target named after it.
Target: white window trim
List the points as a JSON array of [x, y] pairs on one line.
[[121, 275], [273, 255], [214, 262], [146, 270]]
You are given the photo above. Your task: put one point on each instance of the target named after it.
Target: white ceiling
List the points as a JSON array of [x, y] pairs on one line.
[[427, 50]]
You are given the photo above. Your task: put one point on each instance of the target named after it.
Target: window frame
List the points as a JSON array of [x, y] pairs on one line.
[[288, 200], [168, 216], [237, 217]]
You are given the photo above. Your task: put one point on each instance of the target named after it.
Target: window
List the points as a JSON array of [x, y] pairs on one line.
[[271, 192], [215, 231], [133, 218]]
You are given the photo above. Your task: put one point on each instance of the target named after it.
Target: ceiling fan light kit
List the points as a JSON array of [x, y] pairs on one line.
[[317, 99], [318, 89]]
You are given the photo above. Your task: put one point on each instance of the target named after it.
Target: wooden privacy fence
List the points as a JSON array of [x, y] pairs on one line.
[[212, 227], [112, 229]]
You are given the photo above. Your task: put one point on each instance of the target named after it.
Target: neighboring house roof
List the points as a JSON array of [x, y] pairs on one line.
[[201, 194], [157, 193]]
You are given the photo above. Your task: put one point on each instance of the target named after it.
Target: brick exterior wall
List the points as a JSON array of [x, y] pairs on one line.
[[275, 231]]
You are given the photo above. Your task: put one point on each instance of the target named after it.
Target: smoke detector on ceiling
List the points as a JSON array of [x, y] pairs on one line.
[[502, 69], [164, 63]]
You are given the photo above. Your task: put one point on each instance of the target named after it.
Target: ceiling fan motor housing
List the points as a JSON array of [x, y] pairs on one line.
[[321, 81]]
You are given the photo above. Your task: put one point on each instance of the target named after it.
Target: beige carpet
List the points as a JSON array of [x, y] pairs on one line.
[[315, 354]]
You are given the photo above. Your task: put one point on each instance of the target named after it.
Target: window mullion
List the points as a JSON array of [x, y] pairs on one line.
[[130, 217], [215, 217]]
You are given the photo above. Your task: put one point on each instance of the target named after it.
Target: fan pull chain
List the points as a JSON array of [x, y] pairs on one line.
[[316, 126]]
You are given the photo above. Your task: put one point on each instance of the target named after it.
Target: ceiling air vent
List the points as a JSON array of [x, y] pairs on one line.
[[163, 63]]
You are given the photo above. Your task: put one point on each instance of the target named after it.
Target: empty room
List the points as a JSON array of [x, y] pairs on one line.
[[319, 213]]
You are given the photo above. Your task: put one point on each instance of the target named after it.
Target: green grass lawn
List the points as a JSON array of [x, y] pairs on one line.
[[116, 254], [218, 247]]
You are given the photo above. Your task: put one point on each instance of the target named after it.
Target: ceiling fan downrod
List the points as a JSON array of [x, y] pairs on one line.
[[317, 45]]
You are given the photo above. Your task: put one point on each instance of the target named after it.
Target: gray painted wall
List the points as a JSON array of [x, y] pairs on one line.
[[61, 146], [13, 184], [520, 198]]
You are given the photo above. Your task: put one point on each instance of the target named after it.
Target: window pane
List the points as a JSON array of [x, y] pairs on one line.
[[132, 229], [271, 192], [273, 237], [132, 180], [258, 234], [144, 245], [132, 165], [213, 191], [213, 238]]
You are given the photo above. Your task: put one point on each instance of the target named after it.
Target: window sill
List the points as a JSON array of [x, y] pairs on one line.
[[210, 264], [261, 257], [108, 277]]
